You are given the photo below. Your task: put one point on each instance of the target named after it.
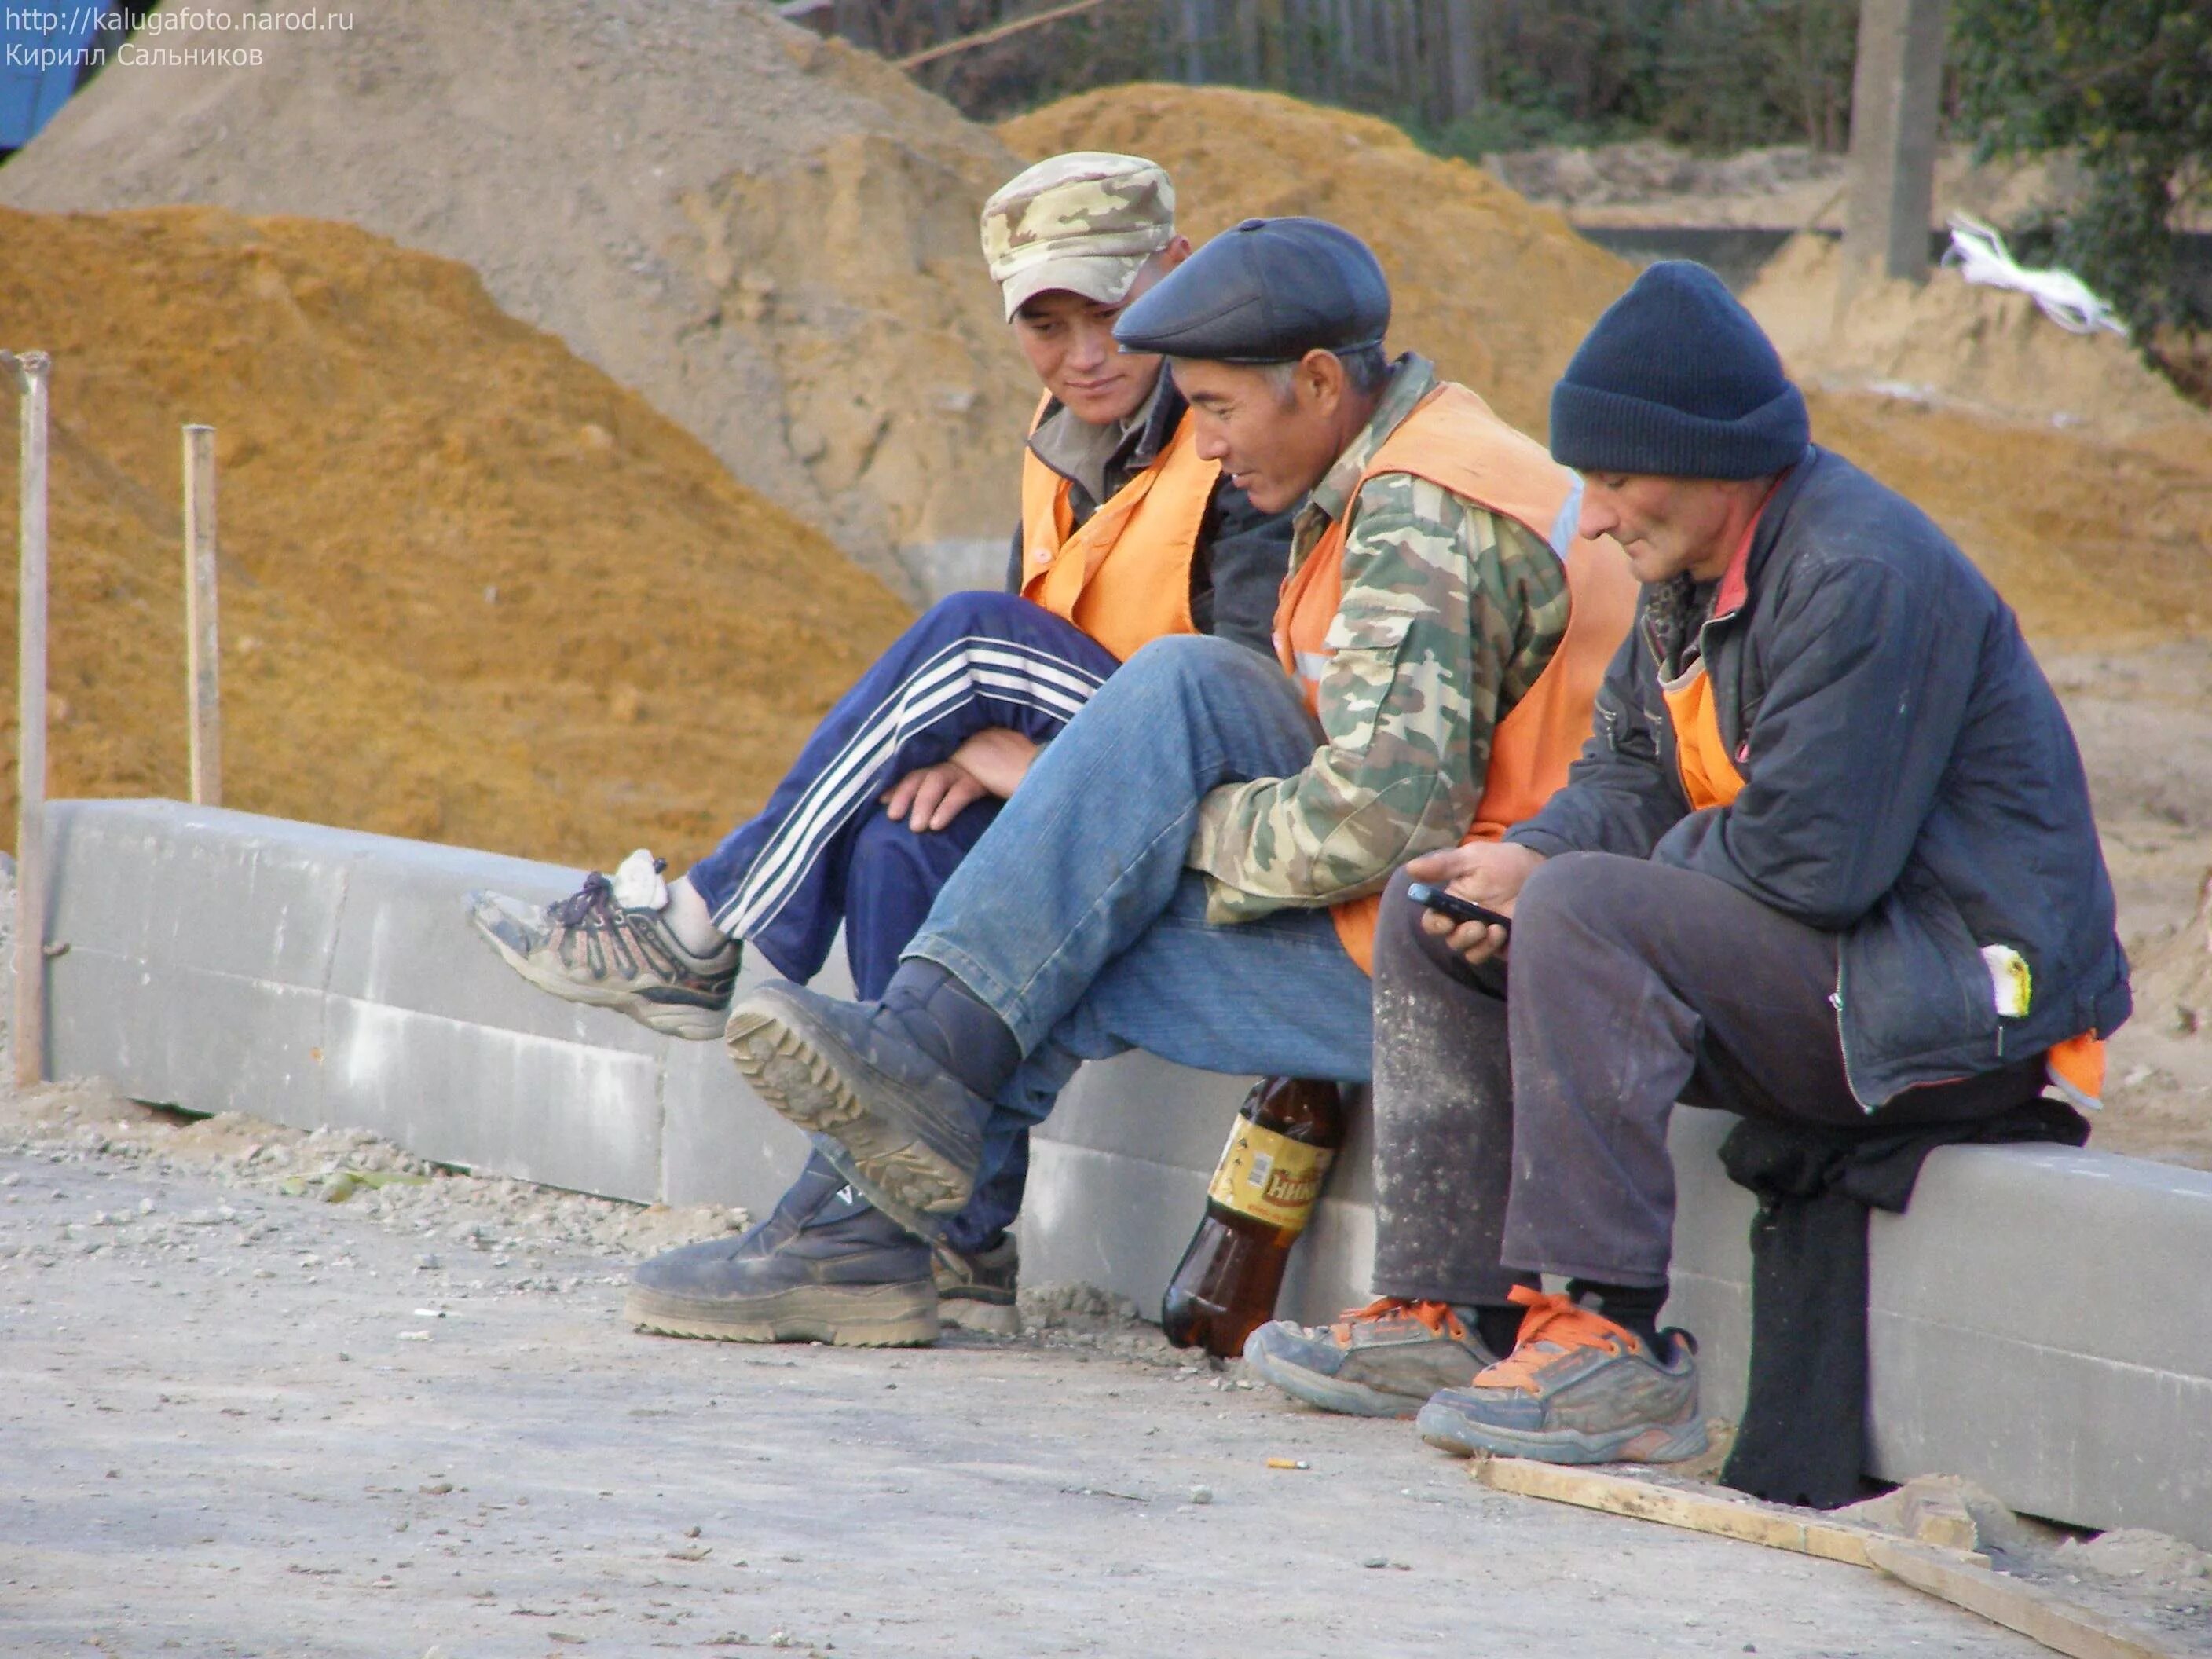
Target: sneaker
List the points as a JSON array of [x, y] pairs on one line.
[[589, 948], [1381, 1360], [906, 1132], [825, 1266], [977, 1293], [1576, 1388]]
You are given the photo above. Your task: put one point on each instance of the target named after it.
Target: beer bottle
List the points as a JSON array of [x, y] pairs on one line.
[[1280, 1144]]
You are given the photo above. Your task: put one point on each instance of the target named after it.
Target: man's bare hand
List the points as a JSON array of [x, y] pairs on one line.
[[1490, 872], [931, 797], [992, 762], [998, 758]]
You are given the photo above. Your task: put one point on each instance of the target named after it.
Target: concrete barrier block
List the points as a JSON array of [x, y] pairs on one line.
[[1080, 1220], [2040, 1321], [565, 1113], [719, 1144], [197, 888], [1139, 1106], [2045, 1314], [211, 1042]]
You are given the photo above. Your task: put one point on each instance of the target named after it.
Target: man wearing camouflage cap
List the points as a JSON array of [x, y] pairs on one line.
[[1192, 868], [1127, 533]]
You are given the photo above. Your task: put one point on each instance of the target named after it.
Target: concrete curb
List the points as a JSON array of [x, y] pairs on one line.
[[2041, 1319]]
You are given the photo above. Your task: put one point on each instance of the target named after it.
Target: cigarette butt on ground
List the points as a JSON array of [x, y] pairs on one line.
[[1286, 1463]]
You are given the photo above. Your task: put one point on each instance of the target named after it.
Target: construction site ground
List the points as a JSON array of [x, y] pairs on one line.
[[249, 1420]]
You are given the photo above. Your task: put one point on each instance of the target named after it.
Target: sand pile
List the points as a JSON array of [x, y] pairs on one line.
[[1948, 342], [771, 237], [2095, 533], [473, 591], [2172, 980], [1498, 292]]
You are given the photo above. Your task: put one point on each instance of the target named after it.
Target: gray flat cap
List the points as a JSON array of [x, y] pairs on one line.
[[1267, 292]]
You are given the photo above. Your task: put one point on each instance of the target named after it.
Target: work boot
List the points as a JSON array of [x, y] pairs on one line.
[[1576, 1388], [1381, 1360], [976, 1289], [590, 948], [825, 1266], [907, 1131]]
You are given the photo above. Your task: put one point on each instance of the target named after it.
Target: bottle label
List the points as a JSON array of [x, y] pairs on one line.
[[1269, 1176]]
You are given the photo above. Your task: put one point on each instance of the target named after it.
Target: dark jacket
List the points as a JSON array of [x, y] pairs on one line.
[[1237, 568], [1910, 784]]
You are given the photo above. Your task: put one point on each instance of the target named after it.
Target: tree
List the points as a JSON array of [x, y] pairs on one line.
[[2126, 86]]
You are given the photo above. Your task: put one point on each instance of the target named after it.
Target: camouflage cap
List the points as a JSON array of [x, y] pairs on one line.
[[1085, 222]]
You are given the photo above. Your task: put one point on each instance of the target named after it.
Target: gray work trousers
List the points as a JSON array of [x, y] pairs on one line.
[[1634, 985]]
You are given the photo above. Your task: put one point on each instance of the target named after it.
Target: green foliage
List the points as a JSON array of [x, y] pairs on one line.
[[1712, 75], [1735, 74], [2126, 85]]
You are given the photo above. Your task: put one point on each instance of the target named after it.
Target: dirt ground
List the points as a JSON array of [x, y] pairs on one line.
[[2144, 722], [244, 1419]]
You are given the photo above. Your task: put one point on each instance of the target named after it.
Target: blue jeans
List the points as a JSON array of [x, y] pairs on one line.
[[822, 851], [1076, 921]]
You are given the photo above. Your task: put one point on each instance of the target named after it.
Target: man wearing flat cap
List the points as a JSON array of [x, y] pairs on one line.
[[1127, 533], [1827, 862], [1191, 867]]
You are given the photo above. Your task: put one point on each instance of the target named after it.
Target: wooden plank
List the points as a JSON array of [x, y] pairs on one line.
[[1671, 1506], [203, 655], [31, 370], [2059, 1625], [1941, 1518], [1959, 1576]]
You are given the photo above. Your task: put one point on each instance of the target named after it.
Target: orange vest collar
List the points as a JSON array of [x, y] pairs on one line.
[[1453, 440]]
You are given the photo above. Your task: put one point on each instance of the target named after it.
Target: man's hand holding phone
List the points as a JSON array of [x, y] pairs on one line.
[[1488, 874]]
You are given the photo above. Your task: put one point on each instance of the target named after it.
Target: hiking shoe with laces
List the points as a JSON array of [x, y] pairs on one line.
[[1383, 1360], [905, 1132], [825, 1266], [591, 948], [1576, 1388], [976, 1291]]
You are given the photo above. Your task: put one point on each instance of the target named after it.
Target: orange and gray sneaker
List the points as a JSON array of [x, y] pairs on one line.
[[1381, 1360], [590, 948], [1576, 1388]]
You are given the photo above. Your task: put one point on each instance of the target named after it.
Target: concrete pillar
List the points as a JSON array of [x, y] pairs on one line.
[[1895, 93]]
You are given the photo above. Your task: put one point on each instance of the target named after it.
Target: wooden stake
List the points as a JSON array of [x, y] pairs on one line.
[[1672, 1506], [203, 660], [31, 370], [1962, 1578], [2035, 1612]]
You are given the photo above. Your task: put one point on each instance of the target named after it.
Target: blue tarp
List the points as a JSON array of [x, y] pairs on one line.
[[45, 49]]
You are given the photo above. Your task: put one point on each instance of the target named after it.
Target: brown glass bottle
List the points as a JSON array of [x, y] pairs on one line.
[[1280, 1145]]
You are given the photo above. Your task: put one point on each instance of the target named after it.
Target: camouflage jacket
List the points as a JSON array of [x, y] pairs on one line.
[[1407, 707]]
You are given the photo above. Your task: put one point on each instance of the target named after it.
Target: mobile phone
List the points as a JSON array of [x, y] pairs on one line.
[[1450, 905]]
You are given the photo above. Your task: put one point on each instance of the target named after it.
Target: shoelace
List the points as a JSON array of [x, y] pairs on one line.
[[594, 901], [1552, 1325], [1437, 1315]]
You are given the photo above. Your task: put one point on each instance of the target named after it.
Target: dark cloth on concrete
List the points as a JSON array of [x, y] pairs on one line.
[[1636, 985], [1444, 1116], [1912, 786], [1803, 1439], [1236, 566]]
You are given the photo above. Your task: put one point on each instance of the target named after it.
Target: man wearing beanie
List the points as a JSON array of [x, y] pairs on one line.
[[1127, 533], [1190, 867], [1827, 860]]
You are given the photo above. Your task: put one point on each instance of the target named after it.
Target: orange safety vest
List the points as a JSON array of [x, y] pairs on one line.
[[1711, 777], [1453, 440], [1124, 577]]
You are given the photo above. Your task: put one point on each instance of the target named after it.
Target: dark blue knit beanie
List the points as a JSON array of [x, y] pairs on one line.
[[1677, 379]]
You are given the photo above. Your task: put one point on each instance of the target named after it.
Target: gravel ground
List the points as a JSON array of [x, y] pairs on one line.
[[243, 1419]]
